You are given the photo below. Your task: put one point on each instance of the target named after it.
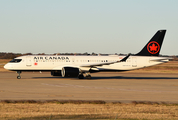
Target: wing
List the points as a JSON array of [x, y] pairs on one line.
[[107, 63]]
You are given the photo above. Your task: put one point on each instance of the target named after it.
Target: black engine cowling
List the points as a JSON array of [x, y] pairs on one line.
[[70, 72], [56, 73]]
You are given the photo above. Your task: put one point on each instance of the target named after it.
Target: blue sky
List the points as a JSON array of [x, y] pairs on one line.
[[78, 26]]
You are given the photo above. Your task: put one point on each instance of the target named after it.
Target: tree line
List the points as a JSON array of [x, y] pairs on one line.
[[4, 55]]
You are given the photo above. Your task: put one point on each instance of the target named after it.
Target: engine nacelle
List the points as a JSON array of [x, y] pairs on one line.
[[70, 72], [56, 73]]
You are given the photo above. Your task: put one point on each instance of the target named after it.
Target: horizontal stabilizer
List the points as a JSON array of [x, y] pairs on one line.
[[161, 60]]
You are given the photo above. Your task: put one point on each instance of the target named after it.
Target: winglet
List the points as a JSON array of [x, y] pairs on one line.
[[125, 58]]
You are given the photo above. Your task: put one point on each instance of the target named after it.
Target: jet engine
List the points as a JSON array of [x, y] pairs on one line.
[[70, 72], [56, 73]]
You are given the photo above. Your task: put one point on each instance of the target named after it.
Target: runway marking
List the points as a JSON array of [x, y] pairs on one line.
[[101, 88], [60, 95], [46, 94]]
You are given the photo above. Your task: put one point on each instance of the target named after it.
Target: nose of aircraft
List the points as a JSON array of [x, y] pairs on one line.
[[7, 66]]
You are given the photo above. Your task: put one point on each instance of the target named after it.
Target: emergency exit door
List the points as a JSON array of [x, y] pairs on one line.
[[28, 61]]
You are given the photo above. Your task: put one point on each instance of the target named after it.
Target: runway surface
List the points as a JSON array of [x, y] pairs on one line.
[[109, 86]]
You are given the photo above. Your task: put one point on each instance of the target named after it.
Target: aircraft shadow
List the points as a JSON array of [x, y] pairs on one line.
[[112, 77], [45, 77], [140, 78]]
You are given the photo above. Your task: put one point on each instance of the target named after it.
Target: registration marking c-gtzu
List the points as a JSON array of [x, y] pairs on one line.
[[78, 66]]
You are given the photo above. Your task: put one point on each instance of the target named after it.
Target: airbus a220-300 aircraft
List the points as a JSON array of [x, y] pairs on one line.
[[77, 66]]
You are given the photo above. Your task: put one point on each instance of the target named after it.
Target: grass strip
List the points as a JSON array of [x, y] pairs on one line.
[[77, 109]]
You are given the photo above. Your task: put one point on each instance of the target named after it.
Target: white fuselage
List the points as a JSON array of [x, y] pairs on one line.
[[56, 62]]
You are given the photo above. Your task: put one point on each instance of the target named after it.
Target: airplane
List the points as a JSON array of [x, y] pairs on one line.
[[77, 66]]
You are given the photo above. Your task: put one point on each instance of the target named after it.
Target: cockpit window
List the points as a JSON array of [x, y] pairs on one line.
[[16, 60]]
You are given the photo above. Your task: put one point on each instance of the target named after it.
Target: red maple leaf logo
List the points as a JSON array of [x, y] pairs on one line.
[[153, 47], [35, 63]]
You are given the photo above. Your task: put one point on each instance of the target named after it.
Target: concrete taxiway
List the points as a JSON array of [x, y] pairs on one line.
[[109, 86]]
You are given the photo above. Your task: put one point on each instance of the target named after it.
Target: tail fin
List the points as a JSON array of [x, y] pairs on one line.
[[153, 47]]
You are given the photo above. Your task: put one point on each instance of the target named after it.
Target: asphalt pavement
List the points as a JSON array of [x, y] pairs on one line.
[[107, 86]]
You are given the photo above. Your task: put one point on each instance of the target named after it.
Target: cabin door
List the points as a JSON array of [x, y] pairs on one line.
[[134, 62], [28, 61]]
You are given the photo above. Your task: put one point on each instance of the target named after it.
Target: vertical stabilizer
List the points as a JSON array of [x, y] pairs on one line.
[[153, 47]]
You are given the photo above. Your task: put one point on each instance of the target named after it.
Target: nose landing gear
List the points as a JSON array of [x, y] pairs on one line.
[[18, 77]]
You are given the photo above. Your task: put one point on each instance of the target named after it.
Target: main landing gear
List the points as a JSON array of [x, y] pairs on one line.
[[81, 76], [18, 77], [88, 76]]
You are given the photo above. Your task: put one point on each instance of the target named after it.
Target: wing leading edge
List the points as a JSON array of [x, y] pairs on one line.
[[107, 63]]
